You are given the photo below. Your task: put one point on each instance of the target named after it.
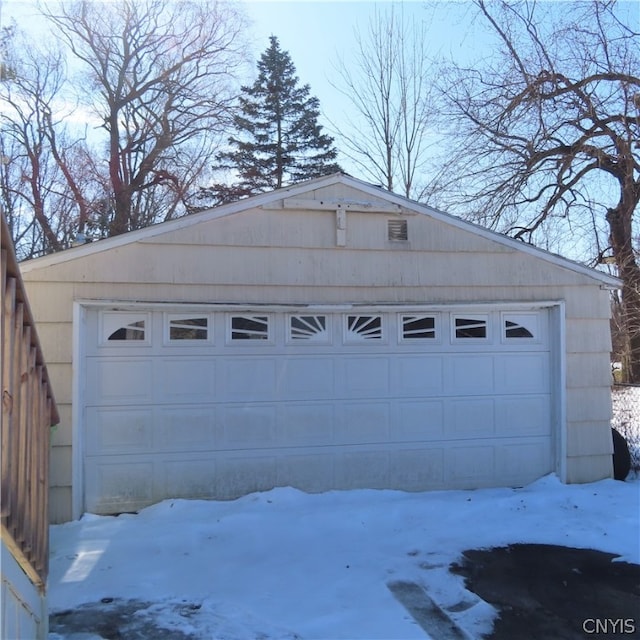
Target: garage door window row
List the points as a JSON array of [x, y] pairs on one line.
[[119, 327]]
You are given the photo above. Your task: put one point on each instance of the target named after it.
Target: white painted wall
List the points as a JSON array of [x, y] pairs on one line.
[[23, 610]]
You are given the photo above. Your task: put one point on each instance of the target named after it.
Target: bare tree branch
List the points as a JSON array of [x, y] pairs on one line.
[[386, 82], [549, 132], [163, 75]]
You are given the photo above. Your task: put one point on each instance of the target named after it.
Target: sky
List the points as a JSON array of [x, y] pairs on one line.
[[318, 34], [286, 564]]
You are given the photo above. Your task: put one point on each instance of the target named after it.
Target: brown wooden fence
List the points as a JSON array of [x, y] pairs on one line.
[[28, 412]]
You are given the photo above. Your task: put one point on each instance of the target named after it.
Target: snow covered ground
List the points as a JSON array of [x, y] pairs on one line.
[[285, 564]]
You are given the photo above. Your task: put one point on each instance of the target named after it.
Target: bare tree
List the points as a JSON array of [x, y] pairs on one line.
[[386, 82], [160, 77], [545, 135], [39, 176]]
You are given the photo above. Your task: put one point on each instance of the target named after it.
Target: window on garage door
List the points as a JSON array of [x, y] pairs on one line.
[[362, 328], [416, 327], [122, 327], [470, 327], [249, 328], [520, 327], [309, 329], [181, 328]]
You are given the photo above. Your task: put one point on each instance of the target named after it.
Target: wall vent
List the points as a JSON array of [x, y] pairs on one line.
[[397, 230]]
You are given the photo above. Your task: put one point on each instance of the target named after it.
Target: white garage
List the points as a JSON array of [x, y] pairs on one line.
[[222, 402], [329, 335]]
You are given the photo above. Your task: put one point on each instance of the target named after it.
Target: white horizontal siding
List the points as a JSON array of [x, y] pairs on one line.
[[581, 469], [589, 335], [589, 438], [60, 504], [179, 264], [591, 370]]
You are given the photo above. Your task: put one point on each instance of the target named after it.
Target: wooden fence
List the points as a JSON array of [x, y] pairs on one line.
[[28, 412]]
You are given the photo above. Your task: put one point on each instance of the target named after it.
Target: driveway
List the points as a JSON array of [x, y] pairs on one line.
[[540, 591]]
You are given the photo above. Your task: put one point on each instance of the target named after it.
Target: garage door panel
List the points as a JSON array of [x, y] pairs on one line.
[[187, 380], [362, 470], [306, 378], [239, 474], [522, 373], [111, 431], [181, 428], [470, 417], [420, 376], [119, 381], [248, 426], [523, 416], [414, 469], [363, 422], [308, 472], [118, 486], [468, 466], [418, 420], [470, 374], [190, 478], [364, 376], [249, 379], [306, 424], [523, 461]]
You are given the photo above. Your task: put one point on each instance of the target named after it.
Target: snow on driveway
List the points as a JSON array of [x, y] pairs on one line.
[[288, 564]]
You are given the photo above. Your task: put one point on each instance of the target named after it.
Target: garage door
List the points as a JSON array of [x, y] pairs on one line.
[[218, 403]]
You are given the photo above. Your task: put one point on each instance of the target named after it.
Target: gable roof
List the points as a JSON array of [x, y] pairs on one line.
[[398, 202]]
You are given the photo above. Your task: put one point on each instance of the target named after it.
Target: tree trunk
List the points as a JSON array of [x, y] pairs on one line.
[[51, 240], [619, 220], [119, 183]]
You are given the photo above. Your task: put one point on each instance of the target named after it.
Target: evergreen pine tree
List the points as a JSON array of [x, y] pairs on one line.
[[277, 139]]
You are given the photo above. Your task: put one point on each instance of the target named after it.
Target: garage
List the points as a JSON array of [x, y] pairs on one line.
[[328, 335], [217, 403]]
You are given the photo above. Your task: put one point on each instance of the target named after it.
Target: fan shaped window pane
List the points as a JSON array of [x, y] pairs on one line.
[[363, 328], [308, 328]]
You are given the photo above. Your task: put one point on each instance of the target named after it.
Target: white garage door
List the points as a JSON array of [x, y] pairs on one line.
[[220, 403]]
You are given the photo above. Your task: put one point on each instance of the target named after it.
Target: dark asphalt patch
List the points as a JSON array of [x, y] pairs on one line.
[[555, 593], [117, 619]]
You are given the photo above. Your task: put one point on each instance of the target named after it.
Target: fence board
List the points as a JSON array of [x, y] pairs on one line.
[[8, 333], [28, 412]]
